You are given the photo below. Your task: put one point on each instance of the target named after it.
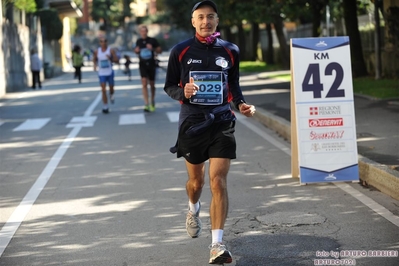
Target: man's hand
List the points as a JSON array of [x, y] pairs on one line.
[[247, 110], [190, 89]]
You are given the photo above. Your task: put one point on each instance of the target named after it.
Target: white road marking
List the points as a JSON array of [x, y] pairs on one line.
[[84, 121], [369, 203], [19, 214], [131, 119], [261, 132], [93, 105], [173, 116], [376, 207], [32, 124]]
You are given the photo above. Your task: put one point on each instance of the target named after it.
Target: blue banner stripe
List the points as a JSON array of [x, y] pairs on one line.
[[320, 44], [350, 173]]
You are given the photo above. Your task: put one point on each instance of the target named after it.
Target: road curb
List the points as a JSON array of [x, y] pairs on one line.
[[379, 176], [372, 173]]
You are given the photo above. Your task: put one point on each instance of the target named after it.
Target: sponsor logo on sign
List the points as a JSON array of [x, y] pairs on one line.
[[325, 110], [315, 147], [339, 134], [328, 146], [330, 177], [326, 122], [313, 111]]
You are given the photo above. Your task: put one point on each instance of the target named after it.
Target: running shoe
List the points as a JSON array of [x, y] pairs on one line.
[[147, 108], [193, 223], [219, 254], [105, 110], [152, 108]]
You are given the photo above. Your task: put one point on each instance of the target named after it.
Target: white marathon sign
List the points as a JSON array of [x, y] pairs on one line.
[[322, 98]]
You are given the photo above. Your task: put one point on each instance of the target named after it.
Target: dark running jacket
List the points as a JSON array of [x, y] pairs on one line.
[[192, 55]]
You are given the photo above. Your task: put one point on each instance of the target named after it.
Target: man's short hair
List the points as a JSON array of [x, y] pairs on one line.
[[143, 26]]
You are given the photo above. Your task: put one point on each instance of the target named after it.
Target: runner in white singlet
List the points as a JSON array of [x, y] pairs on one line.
[[103, 59]]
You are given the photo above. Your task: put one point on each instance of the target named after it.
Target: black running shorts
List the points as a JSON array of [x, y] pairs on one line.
[[147, 69], [217, 141]]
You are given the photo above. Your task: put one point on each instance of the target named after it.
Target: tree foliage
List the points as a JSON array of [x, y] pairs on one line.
[[110, 12], [29, 6], [50, 21], [179, 17], [392, 18], [238, 13], [39, 4]]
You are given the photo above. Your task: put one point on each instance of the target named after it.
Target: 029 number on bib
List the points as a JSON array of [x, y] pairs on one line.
[[210, 85]]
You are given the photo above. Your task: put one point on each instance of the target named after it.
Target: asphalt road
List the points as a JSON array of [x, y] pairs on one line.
[[78, 187]]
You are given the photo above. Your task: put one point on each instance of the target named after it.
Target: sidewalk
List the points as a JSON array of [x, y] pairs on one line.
[[377, 128]]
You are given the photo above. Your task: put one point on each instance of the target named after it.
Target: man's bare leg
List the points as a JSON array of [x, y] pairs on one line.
[[104, 93], [194, 185], [152, 87], [195, 182], [144, 90], [218, 170]]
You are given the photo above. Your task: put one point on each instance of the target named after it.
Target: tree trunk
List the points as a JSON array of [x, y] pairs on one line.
[[284, 52], [242, 43], [226, 34], [352, 29], [253, 53], [270, 48], [316, 19]]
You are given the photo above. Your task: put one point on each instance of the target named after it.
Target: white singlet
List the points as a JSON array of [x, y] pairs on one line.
[[104, 64]]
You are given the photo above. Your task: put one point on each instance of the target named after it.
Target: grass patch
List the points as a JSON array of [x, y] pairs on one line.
[[283, 77], [380, 89], [257, 66]]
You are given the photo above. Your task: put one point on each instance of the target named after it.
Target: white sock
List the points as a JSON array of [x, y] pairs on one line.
[[193, 207], [217, 236], [105, 106]]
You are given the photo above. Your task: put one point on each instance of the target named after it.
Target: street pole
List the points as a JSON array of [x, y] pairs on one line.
[[377, 39], [328, 20]]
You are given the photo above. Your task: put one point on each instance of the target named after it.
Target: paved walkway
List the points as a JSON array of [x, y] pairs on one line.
[[377, 127]]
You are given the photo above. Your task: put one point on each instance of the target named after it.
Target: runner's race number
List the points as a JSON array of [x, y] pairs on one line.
[[210, 88]]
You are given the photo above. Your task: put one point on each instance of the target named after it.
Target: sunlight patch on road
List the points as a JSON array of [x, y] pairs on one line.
[[137, 245], [24, 144], [174, 189], [369, 139]]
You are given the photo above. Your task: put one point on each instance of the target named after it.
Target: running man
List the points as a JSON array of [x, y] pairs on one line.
[[103, 58], [203, 75], [147, 49]]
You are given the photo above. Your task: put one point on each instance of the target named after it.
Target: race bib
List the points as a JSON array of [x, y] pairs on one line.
[[145, 53], [210, 85], [104, 64]]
